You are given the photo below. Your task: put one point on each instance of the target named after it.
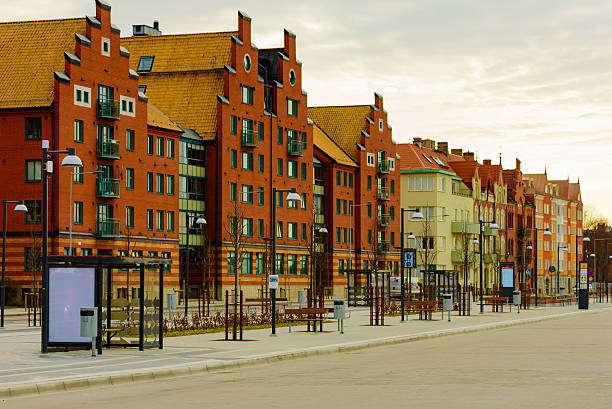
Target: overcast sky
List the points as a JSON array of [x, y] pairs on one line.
[[530, 78]]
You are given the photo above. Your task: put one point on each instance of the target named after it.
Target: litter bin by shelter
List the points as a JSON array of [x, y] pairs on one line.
[[447, 304], [171, 301], [516, 300], [562, 291], [339, 311], [301, 297]]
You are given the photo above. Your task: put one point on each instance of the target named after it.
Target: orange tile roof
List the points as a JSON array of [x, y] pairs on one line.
[[156, 118], [182, 52], [330, 148], [189, 98], [414, 157], [30, 51], [343, 124]]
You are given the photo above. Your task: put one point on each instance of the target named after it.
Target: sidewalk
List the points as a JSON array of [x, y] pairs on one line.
[[24, 370]]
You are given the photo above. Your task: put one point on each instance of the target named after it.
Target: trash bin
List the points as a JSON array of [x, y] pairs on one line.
[[516, 297], [562, 291], [301, 297], [171, 302], [339, 309], [447, 302]]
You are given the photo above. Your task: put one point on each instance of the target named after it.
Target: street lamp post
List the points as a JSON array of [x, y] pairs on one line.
[[71, 160], [292, 196], [416, 215], [564, 249], [494, 226], [350, 261], [535, 264], [19, 208], [594, 263], [72, 175], [199, 220]]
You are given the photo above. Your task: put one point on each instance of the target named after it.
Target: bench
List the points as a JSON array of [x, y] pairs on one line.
[[422, 306], [308, 312], [496, 302]]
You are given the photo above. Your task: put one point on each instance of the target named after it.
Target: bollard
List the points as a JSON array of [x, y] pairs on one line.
[[226, 315], [241, 315]]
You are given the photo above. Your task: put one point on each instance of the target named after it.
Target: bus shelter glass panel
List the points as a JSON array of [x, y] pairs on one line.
[[151, 306]]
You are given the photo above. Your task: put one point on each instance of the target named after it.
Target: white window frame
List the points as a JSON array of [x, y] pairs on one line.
[[128, 100], [371, 159], [391, 164], [83, 90], [104, 40]]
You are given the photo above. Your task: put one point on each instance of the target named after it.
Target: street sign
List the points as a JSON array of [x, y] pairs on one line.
[[583, 293], [528, 272], [273, 282], [551, 269], [409, 258]]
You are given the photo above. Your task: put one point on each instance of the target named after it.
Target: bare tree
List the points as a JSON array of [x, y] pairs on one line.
[[236, 229], [591, 217], [468, 255], [318, 255], [429, 252]]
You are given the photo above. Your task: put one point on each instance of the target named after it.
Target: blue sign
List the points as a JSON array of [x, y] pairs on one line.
[[528, 272], [409, 258]]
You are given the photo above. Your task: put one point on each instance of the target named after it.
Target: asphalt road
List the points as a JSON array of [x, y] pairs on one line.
[[564, 363]]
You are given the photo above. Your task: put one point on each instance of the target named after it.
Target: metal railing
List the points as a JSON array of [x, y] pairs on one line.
[[107, 187], [384, 220], [383, 193], [108, 228], [108, 108], [249, 138], [295, 147], [383, 246], [383, 167], [108, 148]]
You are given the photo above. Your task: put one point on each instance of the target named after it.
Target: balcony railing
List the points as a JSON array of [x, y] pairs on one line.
[[384, 220], [489, 231], [383, 246], [107, 187], [249, 139], [108, 148], [383, 193], [464, 227], [295, 147], [108, 108], [383, 167], [108, 228]]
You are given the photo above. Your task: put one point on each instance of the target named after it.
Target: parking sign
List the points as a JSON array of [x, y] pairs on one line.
[[409, 258]]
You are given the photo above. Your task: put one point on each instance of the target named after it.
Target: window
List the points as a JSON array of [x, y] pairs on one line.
[[392, 187], [380, 125], [279, 199], [280, 264], [170, 184], [247, 227], [78, 130], [150, 144], [260, 228], [142, 89], [33, 128], [350, 180], [421, 183], [105, 47], [259, 263], [369, 182], [129, 217], [260, 131], [344, 178], [292, 231], [160, 184], [247, 95], [303, 171], [233, 192], [129, 140], [129, 178], [247, 194], [231, 262], [160, 146], [145, 63], [78, 213], [78, 174], [303, 200], [304, 265], [338, 205], [81, 96], [260, 196], [338, 178], [247, 62], [291, 107], [32, 216], [170, 148], [279, 135], [86, 252], [160, 220], [127, 106], [369, 210], [170, 221], [303, 232], [292, 264], [234, 159], [233, 125], [279, 167], [33, 171], [292, 77], [150, 182], [279, 230], [260, 163], [247, 161], [369, 236], [149, 219], [247, 263], [292, 169], [371, 159], [341, 267]]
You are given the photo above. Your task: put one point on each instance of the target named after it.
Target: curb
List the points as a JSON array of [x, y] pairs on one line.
[[124, 377]]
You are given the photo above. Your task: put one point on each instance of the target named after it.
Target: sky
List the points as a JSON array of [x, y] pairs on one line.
[[530, 79]]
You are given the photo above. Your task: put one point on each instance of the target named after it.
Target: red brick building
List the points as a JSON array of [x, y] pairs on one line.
[[248, 107], [68, 81], [361, 182]]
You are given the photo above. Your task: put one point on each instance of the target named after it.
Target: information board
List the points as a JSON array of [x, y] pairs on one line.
[[409, 258], [507, 278], [583, 292], [273, 282]]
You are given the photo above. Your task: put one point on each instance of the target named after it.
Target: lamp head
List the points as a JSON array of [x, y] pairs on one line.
[[547, 233], [200, 220], [529, 248], [411, 236], [586, 239], [21, 208], [323, 230], [293, 197], [71, 160], [592, 255], [417, 215], [494, 226], [475, 241]]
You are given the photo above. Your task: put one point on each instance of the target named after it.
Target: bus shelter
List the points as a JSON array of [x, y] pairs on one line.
[[360, 282], [126, 291], [438, 282]]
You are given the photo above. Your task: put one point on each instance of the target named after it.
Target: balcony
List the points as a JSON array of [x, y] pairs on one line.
[[383, 167], [489, 258], [108, 108], [108, 148], [464, 227], [384, 220], [249, 139], [295, 147], [108, 228], [383, 193], [457, 256], [383, 246], [489, 231], [107, 187]]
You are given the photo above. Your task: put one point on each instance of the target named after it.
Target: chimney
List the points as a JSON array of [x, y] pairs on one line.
[[486, 162], [156, 25], [518, 164], [443, 147], [468, 156], [417, 141], [429, 143], [458, 152]]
